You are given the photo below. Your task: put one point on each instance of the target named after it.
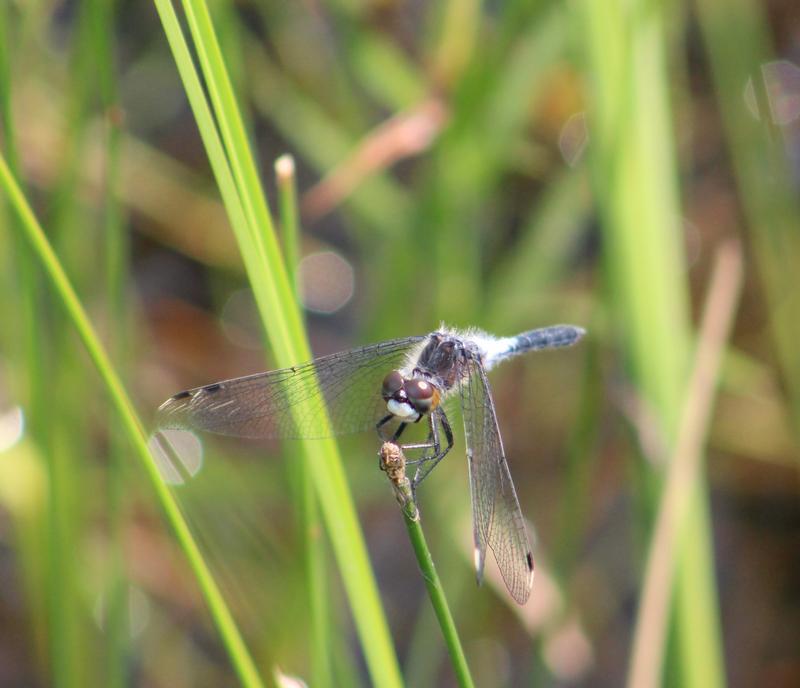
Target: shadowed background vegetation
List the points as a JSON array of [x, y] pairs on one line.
[[630, 167]]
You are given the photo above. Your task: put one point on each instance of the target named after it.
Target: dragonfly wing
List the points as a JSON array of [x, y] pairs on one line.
[[497, 518], [291, 402]]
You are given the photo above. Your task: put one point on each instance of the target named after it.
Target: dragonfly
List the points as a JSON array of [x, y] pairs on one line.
[[388, 387]]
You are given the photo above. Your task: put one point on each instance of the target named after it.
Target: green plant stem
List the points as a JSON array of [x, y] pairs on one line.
[[393, 462], [315, 550], [23, 306], [438, 600], [63, 289], [116, 622], [66, 440], [288, 213]]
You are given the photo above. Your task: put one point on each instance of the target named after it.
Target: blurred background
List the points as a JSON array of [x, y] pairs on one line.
[[499, 165]]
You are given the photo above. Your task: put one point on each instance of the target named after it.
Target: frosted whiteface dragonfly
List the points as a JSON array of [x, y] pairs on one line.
[[387, 387]]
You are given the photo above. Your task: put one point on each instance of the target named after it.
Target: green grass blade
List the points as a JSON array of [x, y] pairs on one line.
[[314, 545], [117, 256], [70, 638], [241, 660], [439, 602], [252, 226]]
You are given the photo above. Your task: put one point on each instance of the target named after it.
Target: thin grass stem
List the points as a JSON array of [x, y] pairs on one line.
[[311, 526], [289, 216], [686, 462], [393, 463], [438, 600]]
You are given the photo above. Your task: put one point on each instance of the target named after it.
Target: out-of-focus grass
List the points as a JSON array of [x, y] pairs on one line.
[[736, 38], [117, 262], [24, 345], [475, 220], [636, 183], [64, 615], [63, 443]]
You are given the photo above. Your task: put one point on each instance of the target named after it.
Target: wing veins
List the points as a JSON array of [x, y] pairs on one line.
[[264, 404], [496, 512]]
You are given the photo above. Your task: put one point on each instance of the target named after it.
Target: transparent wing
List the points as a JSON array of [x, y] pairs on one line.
[[497, 519], [346, 384]]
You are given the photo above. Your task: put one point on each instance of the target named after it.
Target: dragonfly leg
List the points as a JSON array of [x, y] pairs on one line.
[[394, 437], [399, 431], [431, 443], [383, 421], [427, 464]]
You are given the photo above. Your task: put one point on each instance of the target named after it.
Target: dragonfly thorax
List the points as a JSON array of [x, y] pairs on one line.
[[409, 398]]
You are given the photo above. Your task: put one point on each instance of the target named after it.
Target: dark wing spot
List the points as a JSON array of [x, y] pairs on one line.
[[212, 388], [182, 395], [529, 558]]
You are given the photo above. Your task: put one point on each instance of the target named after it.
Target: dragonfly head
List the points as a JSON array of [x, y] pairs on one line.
[[409, 398]]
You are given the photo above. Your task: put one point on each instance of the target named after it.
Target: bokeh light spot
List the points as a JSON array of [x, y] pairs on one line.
[[573, 139], [178, 454], [12, 426], [781, 84], [326, 282]]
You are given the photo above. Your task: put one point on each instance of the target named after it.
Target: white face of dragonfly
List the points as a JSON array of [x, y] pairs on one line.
[[409, 398]]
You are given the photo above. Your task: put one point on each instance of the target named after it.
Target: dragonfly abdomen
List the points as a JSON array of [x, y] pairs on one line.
[[553, 337]]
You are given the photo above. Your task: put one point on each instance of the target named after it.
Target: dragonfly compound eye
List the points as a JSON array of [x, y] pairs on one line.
[[392, 384], [422, 395]]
